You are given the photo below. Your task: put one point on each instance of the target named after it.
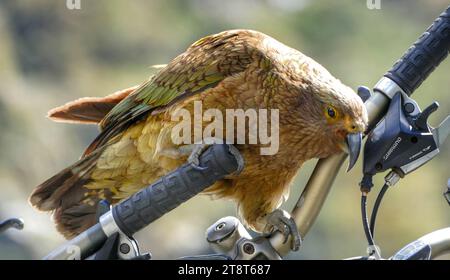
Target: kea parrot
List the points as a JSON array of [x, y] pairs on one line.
[[240, 69]]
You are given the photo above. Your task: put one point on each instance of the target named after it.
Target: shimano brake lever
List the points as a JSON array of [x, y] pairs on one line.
[[403, 141], [441, 132]]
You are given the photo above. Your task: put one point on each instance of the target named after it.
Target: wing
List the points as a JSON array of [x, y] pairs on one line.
[[204, 64]]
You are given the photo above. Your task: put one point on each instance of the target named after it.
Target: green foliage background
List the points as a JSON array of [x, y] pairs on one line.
[[50, 55]]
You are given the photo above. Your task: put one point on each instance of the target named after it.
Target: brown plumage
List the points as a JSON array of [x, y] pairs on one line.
[[233, 69]]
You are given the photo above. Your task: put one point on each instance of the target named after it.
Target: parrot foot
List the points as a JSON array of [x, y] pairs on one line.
[[193, 151], [198, 149], [193, 158], [282, 221]]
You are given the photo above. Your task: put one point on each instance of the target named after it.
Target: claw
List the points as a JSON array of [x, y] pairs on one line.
[[193, 158], [281, 220]]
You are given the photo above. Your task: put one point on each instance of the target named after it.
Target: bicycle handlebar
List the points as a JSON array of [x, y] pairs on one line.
[[147, 205], [423, 56]]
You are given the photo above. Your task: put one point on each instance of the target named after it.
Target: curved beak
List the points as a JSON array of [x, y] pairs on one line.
[[352, 147]]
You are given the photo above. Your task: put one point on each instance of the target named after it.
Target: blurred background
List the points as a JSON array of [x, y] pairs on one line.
[[50, 54]]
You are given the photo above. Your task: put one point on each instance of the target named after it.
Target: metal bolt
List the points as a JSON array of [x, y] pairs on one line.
[[249, 248], [220, 226], [409, 108], [124, 248], [378, 166]]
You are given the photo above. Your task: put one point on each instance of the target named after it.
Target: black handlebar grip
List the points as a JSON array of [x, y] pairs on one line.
[[424, 56], [149, 204]]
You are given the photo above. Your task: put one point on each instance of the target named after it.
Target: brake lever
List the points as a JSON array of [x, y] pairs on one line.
[[441, 132], [118, 246]]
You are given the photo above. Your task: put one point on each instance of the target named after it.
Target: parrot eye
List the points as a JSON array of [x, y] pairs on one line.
[[331, 112]]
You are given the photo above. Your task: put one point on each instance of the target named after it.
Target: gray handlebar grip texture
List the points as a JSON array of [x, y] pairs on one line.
[[147, 205], [424, 56]]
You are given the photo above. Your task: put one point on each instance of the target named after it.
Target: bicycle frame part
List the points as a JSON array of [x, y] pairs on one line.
[[11, 223], [405, 77], [430, 246]]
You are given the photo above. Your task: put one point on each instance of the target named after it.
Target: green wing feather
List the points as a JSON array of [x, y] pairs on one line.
[[205, 64]]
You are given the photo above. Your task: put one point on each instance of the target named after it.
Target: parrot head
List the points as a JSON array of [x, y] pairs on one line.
[[343, 117], [335, 114]]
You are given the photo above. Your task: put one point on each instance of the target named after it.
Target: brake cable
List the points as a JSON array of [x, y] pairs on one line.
[[373, 249], [376, 207], [365, 186], [365, 220], [369, 230]]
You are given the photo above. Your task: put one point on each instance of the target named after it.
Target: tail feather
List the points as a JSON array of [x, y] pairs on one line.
[[74, 207], [47, 196], [75, 219], [65, 195]]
